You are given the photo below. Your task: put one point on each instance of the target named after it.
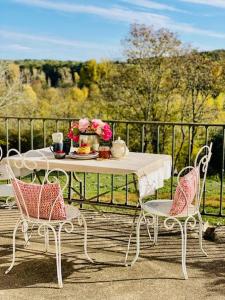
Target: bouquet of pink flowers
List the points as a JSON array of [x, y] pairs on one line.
[[96, 126]]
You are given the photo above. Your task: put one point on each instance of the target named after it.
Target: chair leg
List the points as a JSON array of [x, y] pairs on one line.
[[156, 229], [85, 238], [128, 249], [137, 239], [200, 234], [14, 246], [184, 248], [58, 254], [46, 236], [147, 227], [25, 228], [10, 202]]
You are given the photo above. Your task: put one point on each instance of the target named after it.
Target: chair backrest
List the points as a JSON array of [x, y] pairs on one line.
[[202, 162], [197, 177], [43, 200]]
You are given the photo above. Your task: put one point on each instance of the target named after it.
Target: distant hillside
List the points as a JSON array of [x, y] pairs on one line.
[[217, 55], [56, 73], [50, 72]]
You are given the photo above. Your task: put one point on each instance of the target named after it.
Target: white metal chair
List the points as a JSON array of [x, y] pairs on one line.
[[6, 190], [39, 202], [161, 208]]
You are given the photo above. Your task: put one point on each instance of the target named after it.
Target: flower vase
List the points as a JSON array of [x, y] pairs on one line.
[[90, 139]]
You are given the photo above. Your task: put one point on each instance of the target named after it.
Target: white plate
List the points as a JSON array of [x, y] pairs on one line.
[[83, 156]]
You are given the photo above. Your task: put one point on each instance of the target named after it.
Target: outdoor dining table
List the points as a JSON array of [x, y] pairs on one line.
[[149, 170]]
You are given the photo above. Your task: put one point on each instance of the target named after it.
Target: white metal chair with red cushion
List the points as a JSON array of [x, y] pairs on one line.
[[42, 205], [183, 209]]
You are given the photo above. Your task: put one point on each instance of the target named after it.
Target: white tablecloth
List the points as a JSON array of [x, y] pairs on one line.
[[151, 169]]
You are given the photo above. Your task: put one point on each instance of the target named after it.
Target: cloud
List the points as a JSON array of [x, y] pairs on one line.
[[125, 15], [114, 13], [53, 40], [215, 3], [16, 47], [153, 5], [183, 27]]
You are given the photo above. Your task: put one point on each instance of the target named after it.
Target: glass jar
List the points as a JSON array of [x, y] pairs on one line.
[[104, 152]]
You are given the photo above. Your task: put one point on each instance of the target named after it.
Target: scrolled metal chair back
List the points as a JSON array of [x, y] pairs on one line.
[[182, 173], [200, 167], [34, 160], [63, 184], [202, 162]]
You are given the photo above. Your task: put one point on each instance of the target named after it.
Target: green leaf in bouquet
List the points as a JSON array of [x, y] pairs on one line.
[[75, 131]]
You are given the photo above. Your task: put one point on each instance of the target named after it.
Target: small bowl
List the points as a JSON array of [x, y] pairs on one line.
[[59, 155]]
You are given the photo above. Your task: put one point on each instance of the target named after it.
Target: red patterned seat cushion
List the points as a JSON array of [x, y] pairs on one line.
[[47, 197], [185, 192]]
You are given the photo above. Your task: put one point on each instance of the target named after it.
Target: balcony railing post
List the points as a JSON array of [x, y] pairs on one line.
[[32, 134], [44, 133], [204, 190], [127, 134], [222, 172], [189, 144], [113, 131], [158, 137], [98, 186], [142, 138], [57, 125], [19, 134], [173, 149], [157, 148], [7, 133], [112, 189]]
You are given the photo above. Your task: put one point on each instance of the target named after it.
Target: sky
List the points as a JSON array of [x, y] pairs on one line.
[[93, 29]]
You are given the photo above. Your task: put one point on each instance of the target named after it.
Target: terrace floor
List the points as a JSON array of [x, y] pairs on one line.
[[156, 275]]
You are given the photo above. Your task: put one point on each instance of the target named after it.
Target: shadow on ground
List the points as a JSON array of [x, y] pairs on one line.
[[158, 268]]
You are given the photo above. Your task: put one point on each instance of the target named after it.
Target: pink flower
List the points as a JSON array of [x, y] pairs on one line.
[[95, 126], [106, 132], [97, 123], [83, 124], [73, 137]]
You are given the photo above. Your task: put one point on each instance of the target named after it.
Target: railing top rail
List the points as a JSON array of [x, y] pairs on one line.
[[121, 121]]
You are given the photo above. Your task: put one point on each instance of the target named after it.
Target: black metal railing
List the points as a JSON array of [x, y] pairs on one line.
[[180, 140]]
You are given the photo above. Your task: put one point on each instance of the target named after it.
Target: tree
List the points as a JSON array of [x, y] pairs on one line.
[[200, 100], [148, 81], [89, 73], [11, 89]]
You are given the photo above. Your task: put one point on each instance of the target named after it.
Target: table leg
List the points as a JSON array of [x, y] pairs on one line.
[[69, 187], [81, 194], [134, 220], [131, 233]]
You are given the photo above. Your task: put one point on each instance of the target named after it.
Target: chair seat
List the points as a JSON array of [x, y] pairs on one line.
[[6, 190], [72, 212], [162, 208]]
